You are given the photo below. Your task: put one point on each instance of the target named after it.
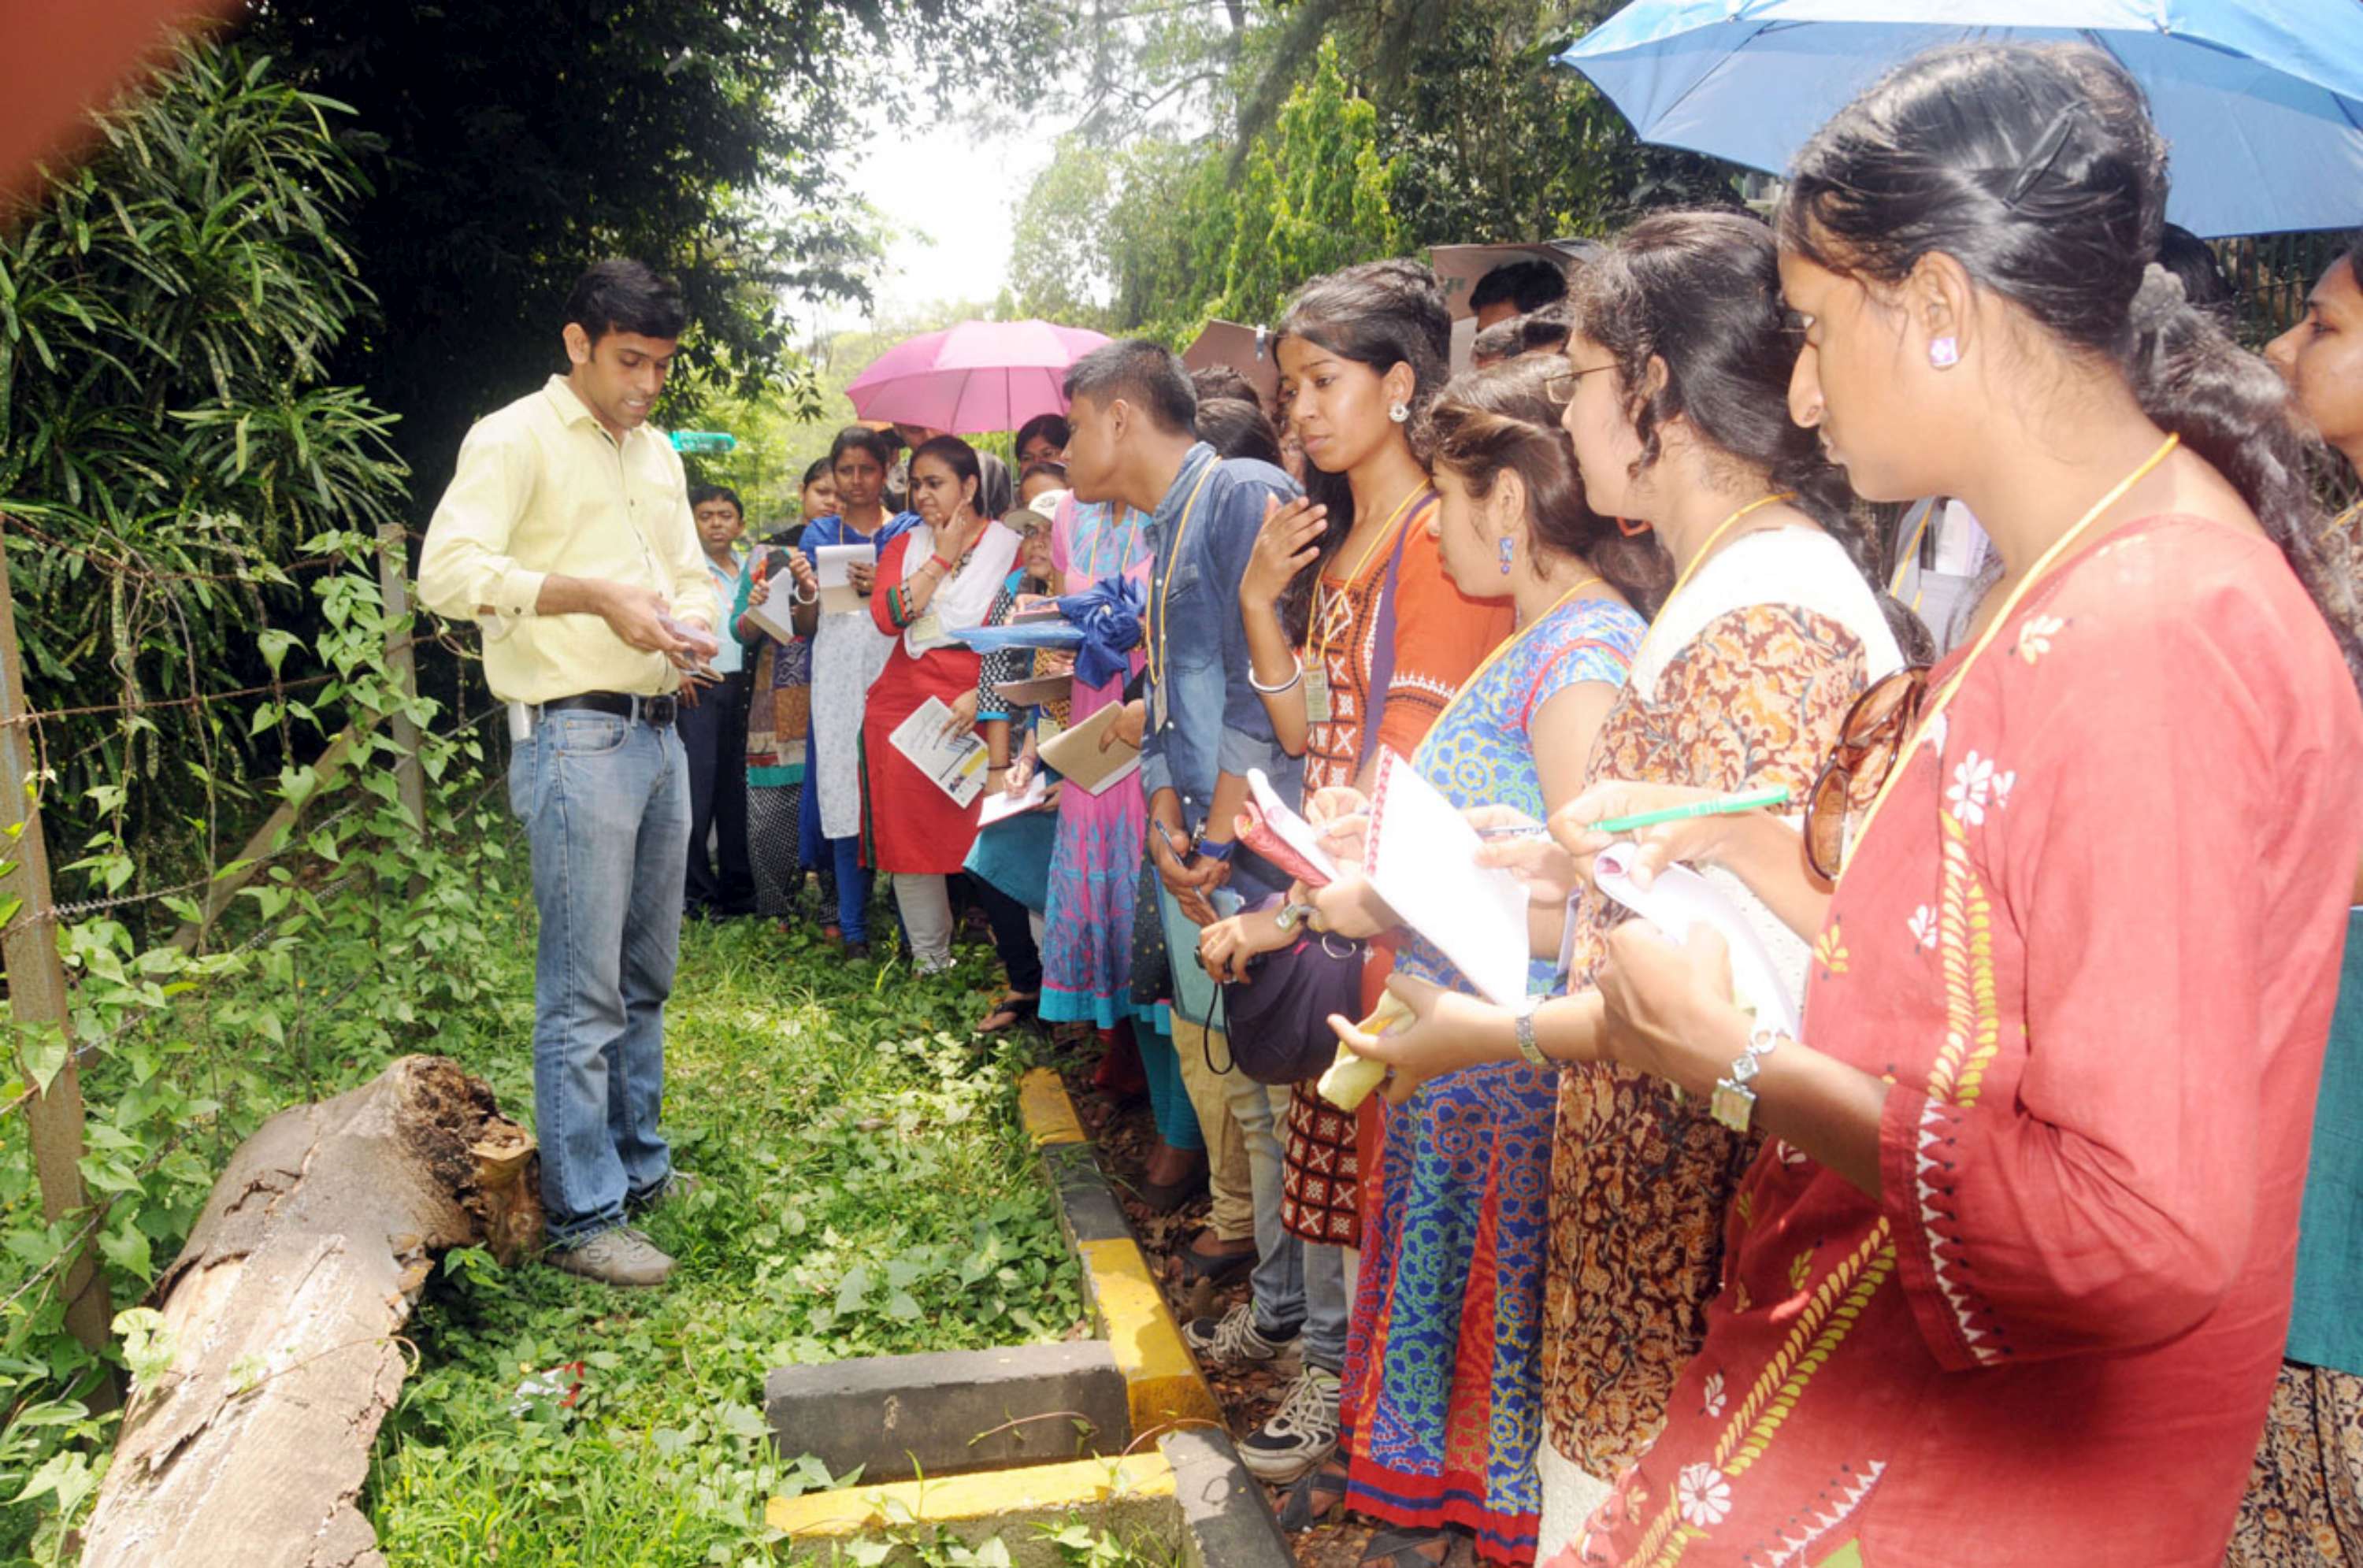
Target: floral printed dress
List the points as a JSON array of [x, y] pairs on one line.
[[2093, 943], [1743, 684]]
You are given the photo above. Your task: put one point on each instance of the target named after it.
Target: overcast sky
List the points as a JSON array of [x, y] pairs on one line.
[[951, 198]]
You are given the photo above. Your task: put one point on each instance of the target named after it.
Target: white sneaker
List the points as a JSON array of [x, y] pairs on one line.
[[1234, 1338], [1302, 1432]]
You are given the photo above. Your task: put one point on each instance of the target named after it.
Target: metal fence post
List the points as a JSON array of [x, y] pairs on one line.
[[36, 988], [394, 586]]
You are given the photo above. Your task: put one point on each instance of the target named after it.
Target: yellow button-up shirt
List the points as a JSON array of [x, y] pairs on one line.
[[543, 488]]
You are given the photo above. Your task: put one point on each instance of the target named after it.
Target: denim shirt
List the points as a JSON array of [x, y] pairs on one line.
[[1215, 722]]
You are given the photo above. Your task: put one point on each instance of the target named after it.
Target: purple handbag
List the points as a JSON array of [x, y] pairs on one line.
[[1277, 1019]]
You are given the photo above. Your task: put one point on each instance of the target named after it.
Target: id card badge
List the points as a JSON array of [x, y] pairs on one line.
[[1316, 697], [1157, 714]]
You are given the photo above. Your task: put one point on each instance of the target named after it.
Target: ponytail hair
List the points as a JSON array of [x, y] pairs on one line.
[[2037, 169], [1381, 315], [1504, 418], [1700, 293]]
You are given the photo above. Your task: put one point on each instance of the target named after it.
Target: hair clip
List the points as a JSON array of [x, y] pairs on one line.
[[2047, 148]]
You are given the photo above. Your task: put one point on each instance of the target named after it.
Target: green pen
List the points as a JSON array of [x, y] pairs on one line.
[[1727, 805]]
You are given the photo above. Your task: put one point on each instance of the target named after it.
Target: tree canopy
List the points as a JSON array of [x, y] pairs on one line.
[[1325, 131], [510, 142]]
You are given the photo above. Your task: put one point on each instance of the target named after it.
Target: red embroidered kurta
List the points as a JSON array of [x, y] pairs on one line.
[[2093, 942]]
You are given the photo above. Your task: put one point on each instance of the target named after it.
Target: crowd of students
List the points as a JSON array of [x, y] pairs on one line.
[[1993, 1261]]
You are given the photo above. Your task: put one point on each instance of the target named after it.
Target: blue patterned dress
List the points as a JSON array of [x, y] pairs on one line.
[[1095, 866], [1443, 1385]]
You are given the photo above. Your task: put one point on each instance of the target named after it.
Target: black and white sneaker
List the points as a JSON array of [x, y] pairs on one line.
[[1234, 1338], [1302, 1432]]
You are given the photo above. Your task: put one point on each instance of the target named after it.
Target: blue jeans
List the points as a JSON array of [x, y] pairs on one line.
[[852, 888], [605, 806], [1276, 1283]]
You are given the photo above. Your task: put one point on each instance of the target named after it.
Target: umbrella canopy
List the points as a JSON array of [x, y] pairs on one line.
[[980, 375], [2261, 101]]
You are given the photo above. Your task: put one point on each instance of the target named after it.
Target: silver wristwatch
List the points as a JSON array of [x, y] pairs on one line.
[[1734, 1104], [1528, 1046]]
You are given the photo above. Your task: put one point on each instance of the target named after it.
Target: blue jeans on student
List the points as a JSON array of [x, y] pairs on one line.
[[852, 888], [605, 806]]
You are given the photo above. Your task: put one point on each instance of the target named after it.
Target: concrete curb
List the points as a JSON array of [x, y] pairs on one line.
[[1120, 1496], [1191, 1487]]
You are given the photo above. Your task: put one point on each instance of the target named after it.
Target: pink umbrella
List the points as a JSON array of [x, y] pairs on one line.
[[980, 375]]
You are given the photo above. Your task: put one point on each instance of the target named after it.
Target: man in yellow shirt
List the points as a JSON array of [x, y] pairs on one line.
[[566, 534]]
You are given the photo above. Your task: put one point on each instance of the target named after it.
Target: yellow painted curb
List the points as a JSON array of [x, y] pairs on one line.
[[987, 1495], [1162, 1379], [1044, 1108]]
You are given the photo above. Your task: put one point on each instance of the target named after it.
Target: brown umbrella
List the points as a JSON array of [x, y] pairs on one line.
[[1247, 350], [66, 58]]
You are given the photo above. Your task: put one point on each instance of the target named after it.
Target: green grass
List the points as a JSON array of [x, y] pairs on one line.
[[868, 1192]]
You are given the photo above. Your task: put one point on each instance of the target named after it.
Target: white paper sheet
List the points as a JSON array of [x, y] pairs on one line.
[[1000, 805], [772, 614], [1422, 858], [954, 764], [1680, 899], [838, 593]]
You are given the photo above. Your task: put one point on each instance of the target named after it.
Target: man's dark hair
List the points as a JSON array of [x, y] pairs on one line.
[[1529, 285], [1211, 381], [1502, 340], [700, 494], [1237, 428], [1053, 425], [619, 295], [1148, 375], [1544, 331]]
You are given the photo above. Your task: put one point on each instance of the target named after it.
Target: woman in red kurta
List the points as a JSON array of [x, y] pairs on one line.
[[939, 578], [2009, 1281]]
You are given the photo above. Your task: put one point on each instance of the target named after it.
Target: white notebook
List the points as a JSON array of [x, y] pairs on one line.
[[1421, 855]]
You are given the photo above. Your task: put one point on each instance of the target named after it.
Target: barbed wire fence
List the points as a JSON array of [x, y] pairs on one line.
[[48, 1054]]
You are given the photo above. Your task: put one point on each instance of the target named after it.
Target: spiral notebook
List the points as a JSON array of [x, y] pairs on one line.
[[1421, 855]]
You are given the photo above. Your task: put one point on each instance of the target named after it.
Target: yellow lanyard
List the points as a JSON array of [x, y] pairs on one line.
[[1165, 587], [1506, 646], [2043, 563], [1387, 531], [1705, 550], [1903, 560]]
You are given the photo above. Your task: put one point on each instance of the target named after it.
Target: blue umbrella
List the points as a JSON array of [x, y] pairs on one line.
[[2261, 101]]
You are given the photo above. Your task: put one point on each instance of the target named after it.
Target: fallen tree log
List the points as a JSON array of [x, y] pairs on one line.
[[283, 1313]]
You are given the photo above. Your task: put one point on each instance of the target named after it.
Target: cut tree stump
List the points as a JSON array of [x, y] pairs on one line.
[[285, 1311]]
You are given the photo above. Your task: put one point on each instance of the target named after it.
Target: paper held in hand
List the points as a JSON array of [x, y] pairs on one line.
[[1677, 898], [954, 764], [1271, 828], [1076, 753], [772, 614], [1000, 805], [1422, 858], [838, 593]]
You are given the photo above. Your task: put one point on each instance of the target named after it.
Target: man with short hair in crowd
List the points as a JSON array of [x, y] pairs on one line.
[[714, 732], [1133, 441], [1515, 288], [566, 534]]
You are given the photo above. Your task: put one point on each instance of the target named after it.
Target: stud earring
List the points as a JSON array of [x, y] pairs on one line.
[[1399, 411], [1507, 549], [1943, 353]]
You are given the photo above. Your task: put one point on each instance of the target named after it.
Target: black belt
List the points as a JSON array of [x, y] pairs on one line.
[[656, 710]]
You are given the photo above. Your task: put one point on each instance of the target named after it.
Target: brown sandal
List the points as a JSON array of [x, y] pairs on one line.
[[1407, 1549]]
